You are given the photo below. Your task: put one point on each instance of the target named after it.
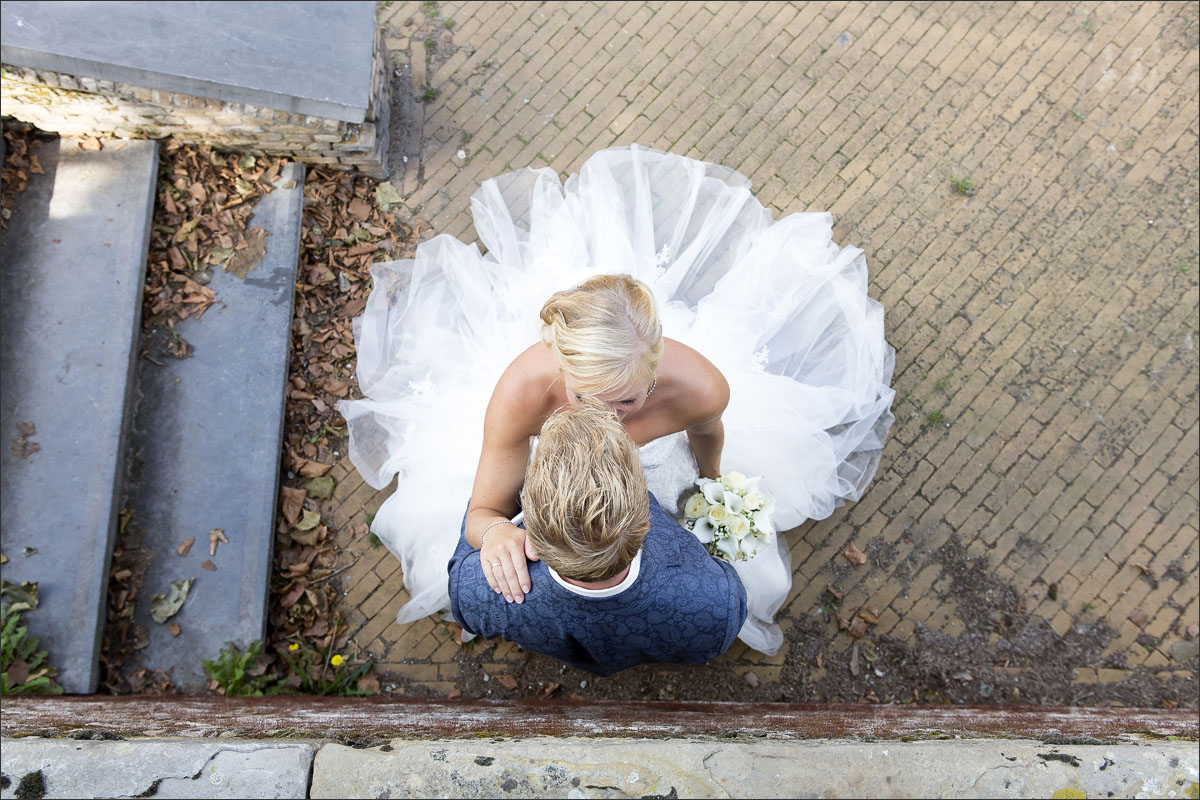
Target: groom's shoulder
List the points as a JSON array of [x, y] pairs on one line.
[[671, 545]]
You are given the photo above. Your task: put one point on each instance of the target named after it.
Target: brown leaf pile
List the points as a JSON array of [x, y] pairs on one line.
[[122, 637], [343, 233], [22, 142], [204, 201]]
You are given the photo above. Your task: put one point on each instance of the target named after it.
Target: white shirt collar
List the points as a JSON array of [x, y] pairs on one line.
[[634, 567]]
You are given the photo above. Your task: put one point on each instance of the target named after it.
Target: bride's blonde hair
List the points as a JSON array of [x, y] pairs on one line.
[[605, 333]]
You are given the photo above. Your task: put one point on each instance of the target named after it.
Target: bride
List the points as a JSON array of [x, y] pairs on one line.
[[719, 336]]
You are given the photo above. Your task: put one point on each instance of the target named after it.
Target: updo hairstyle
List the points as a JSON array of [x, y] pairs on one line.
[[605, 333]]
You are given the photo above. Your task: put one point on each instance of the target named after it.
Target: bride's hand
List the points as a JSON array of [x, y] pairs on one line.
[[503, 557]]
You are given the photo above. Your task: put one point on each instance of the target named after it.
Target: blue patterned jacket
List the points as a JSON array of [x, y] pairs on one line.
[[685, 607]]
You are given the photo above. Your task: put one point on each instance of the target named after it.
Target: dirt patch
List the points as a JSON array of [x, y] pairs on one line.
[[1006, 655]]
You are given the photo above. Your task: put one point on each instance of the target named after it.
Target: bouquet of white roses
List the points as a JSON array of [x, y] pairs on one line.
[[731, 516]]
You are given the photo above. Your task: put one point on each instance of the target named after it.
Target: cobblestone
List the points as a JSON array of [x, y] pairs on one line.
[[1046, 366]]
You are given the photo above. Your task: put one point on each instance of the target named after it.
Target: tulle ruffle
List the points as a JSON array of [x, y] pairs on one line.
[[779, 308]]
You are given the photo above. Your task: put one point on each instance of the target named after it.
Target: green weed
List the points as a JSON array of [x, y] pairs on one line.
[[430, 94], [337, 676], [963, 186], [1078, 115], [934, 417], [241, 674], [374, 540], [23, 667]]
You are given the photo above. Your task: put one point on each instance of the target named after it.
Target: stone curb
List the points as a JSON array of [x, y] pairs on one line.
[[586, 767], [154, 768]]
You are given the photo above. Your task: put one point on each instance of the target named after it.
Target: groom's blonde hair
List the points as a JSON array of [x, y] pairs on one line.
[[605, 333], [586, 506]]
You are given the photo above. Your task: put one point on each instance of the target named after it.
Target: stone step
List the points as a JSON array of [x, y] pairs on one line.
[[74, 259], [205, 453]]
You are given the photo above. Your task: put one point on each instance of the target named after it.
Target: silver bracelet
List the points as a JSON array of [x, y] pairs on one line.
[[483, 533]]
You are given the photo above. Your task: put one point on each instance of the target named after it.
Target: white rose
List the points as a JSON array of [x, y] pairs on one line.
[[738, 526], [734, 481], [718, 515], [755, 500], [696, 506]]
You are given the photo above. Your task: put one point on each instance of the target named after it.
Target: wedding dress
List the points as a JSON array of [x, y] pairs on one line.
[[779, 308]]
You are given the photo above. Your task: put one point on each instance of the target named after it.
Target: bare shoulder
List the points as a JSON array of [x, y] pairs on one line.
[[696, 384], [523, 394]]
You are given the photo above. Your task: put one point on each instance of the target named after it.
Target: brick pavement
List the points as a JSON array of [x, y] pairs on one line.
[[1045, 325]]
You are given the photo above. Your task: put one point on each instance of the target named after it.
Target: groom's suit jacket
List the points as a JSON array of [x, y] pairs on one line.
[[685, 607]]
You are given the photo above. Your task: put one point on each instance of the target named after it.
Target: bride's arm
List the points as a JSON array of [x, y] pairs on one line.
[[705, 433], [707, 440], [498, 480]]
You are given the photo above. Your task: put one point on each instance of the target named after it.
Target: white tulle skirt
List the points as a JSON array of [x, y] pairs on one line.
[[779, 308]]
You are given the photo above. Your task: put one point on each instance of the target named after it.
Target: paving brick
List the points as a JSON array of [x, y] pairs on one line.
[[1036, 316]]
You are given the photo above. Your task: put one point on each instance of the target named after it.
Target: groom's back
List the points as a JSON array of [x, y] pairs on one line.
[[682, 606]]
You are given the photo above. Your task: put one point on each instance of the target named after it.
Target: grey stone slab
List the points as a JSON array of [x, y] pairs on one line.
[[578, 768], [158, 768], [74, 259], [206, 447], [310, 58]]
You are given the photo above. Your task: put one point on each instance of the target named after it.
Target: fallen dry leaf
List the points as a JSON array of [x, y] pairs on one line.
[[869, 616], [174, 629], [208, 565], [293, 594], [185, 547], [215, 537], [752, 679], [247, 258], [855, 670], [842, 622], [855, 556], [310, 520], [507, 681], [359, 210], [164, 606], [89, 143], [454, 693], [858, 628], [291, 501], [1138, 617], [17, 672], [314, 469], [369, 683], [836, 594], [1194, 630], [550, 688], [821, 660]]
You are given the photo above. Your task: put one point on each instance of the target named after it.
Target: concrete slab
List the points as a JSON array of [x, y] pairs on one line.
[[308, 58], [578, 768], [150, 768], [206, 445], [74, 258]]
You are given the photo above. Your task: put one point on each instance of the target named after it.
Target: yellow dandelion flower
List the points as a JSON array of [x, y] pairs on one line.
[[337, 660], [293, 647]]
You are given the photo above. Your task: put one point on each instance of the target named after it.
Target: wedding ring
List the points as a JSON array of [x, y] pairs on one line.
[[495, 564]]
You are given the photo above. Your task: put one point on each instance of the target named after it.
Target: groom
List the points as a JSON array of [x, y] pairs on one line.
[[619, 582]]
